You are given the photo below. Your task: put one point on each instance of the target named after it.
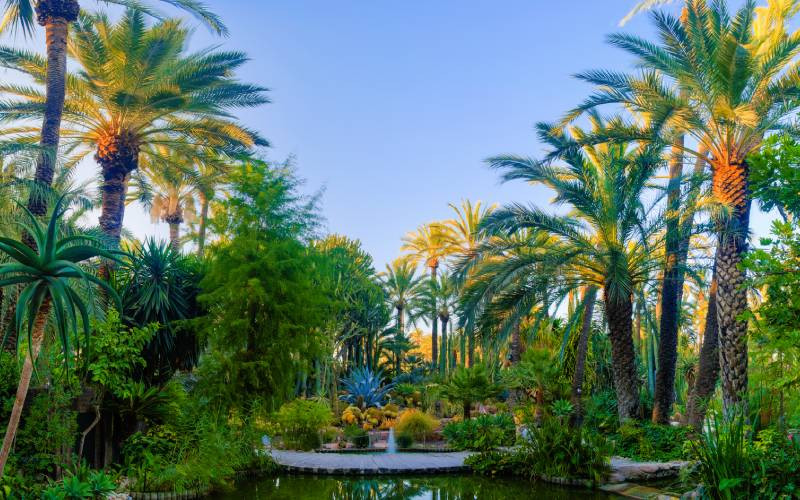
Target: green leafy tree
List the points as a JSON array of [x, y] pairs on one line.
[[49, 274], [267, 299]]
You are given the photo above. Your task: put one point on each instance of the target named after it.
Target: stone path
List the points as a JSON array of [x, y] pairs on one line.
[[625, 470], [622, 469], [371, 463]]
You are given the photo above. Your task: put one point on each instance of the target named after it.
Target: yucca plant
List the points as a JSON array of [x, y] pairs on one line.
[[365, 388], [49, 274]]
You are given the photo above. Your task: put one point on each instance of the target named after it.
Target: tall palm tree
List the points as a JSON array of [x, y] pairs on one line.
[[402, 287], [56, 16], [139, 92], [49, 273], [506, 283], [429, 245], [604, 237], [725, 81], [463, 234]]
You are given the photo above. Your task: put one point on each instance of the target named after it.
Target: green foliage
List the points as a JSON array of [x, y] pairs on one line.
[[356, 435], [732, 464], [301, 421], [416, 423], [483, 433], [775, 332], [197, 449], [497, 463], [47, 433], [81, 484], [558, 450], [470, 385], [648, 442], [404, 440], [159, 285], [266, 311], [116, 352], [601, 411], [775, 176], [51, 270]]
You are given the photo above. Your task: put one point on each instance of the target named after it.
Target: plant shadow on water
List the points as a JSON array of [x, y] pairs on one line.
[[451, 487]]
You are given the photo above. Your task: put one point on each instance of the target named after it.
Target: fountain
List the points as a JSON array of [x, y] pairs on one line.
[[391, 445]]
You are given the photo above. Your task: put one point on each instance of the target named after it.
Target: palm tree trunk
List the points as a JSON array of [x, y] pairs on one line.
[[471, 347], [400, 333], [118, 156], [619, 311], [708, 365], [589, 297], [467, 410], [37, 339], [55, 17], [201, 238], [516, 344], [435, 327], [670, 295], [444, 349], [174, 236], [730, 186]]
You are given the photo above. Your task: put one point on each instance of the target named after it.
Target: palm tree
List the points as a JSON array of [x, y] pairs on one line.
[[138, 92], [403, 289], [463, 234], [604, 237], [49, 273], [506, 283], [725, 81], [56, 16], [429, 244], [174, 197]]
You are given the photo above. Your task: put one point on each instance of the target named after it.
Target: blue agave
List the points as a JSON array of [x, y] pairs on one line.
[[365, 388]]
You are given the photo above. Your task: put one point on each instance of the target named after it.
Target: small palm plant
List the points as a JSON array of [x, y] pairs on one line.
[[48, 272], [469, 385]]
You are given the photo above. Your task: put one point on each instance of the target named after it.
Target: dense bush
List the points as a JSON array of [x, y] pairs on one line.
[[733, 464], [418, 424], [301, 421], [644, 441], [558, 450], [483, 433], [356, 435], [404, 440]]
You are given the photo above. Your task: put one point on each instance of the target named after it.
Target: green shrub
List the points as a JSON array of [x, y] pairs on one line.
[[732, 464], [356, 435], [483, 433], [645, 441], [555, 449], [301, 421], [404, 440], [418, 424]]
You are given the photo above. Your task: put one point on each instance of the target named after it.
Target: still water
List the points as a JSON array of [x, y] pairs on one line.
[[452, 487]]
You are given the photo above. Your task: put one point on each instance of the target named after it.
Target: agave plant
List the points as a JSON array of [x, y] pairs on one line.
[[365, 388]]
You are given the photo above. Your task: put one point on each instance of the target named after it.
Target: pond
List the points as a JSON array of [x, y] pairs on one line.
[[450, 487]]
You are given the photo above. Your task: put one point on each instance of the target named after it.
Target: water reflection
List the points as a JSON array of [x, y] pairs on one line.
[[400, 488]]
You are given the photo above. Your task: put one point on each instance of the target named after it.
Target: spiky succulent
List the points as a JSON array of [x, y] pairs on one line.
[[365, 388]]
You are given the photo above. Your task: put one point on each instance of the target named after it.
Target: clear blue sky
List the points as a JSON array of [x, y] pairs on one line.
[[393, 105]]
